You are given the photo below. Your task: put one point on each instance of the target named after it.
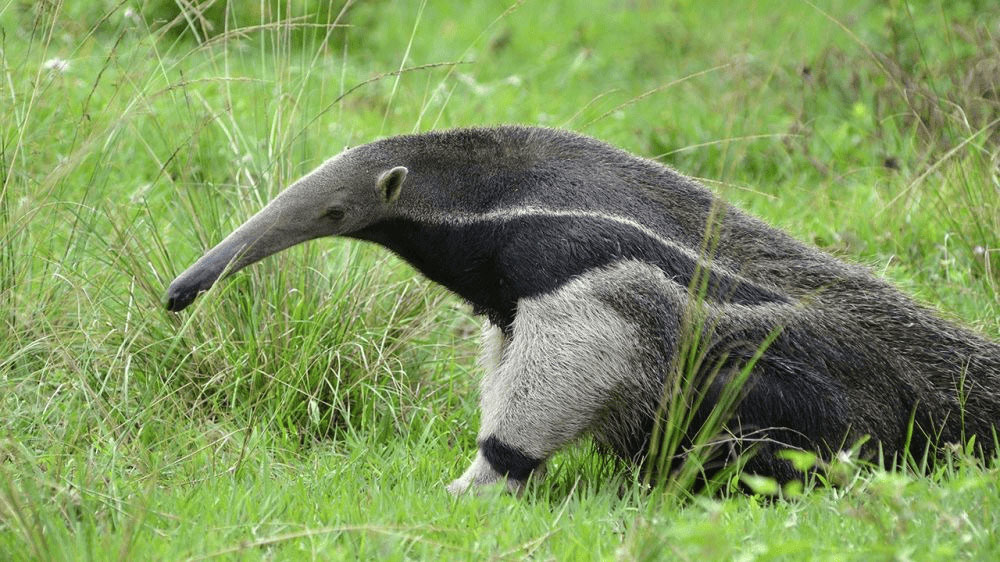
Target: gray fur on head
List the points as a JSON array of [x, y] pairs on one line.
[[580, 256]]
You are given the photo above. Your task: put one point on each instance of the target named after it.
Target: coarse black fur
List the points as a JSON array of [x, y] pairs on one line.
[[507, 460], [475, 260]]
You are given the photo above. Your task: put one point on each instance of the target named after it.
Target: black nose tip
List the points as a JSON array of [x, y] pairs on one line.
[[178, 298]]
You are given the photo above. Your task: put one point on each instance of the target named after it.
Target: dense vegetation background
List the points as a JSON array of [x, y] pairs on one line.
[[315, 405]]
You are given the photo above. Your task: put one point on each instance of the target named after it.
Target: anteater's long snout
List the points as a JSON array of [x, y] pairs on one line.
[[232, 254], [271, 230]]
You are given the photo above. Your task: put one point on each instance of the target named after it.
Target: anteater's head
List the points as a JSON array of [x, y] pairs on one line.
[[344, 195]]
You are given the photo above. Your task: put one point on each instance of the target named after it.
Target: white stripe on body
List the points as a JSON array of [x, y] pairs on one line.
[[507, 215], [445, 218]]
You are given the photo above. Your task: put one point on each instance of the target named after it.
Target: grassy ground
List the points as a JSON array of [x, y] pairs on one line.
[[315, 406]]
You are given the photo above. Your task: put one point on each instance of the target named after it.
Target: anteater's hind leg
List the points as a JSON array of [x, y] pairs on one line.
[[570, 357]]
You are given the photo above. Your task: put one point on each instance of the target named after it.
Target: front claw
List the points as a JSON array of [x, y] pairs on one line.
[[461, 486], [480, 476]]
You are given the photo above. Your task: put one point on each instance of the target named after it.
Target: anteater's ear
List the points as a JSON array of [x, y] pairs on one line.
[[390, 182]]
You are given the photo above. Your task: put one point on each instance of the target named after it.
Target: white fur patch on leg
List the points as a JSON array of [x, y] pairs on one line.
[[570, 356], [491, 347]]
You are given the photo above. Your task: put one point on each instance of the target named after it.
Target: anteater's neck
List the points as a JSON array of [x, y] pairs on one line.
[[463, 258]]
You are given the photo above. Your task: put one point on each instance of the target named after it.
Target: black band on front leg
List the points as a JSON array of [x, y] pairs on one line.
[[507, 460]]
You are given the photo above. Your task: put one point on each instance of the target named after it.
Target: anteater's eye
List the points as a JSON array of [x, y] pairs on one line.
[[335, 213]]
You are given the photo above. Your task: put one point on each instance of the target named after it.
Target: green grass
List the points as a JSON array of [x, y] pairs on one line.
[[315, 405]]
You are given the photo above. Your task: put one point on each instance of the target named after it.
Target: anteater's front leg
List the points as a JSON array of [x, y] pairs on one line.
[[569, 356]]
